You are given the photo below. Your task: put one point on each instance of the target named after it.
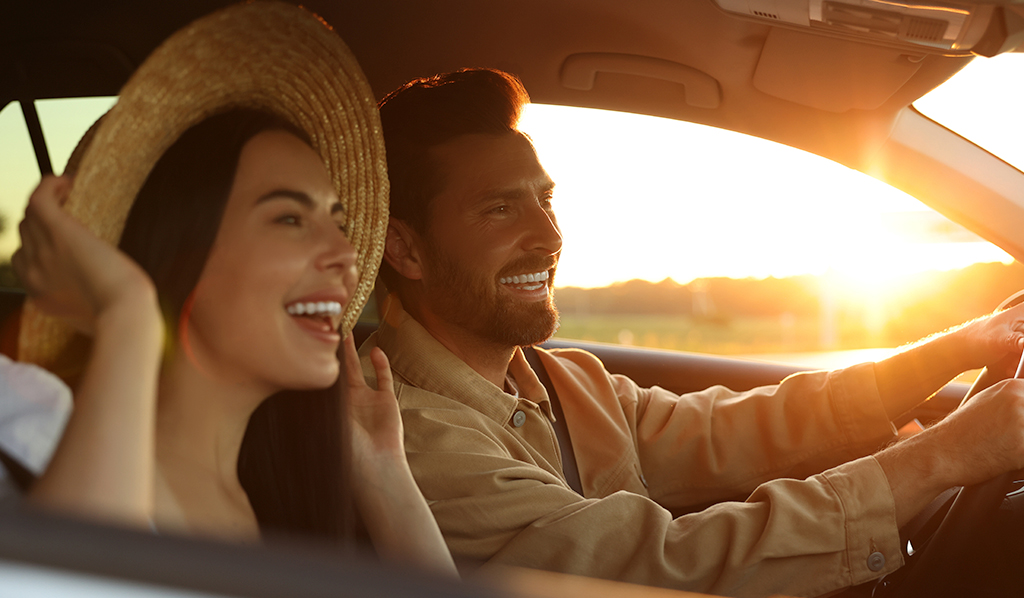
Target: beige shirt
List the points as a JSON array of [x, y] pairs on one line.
[[489, 465]]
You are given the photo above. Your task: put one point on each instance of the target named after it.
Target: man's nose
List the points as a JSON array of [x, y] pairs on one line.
[[544, 232]]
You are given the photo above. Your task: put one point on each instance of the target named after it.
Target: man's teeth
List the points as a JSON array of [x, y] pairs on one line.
[[524, 278], [314, 308]]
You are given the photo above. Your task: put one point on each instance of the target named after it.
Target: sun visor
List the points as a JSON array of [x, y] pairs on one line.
[[831, 74]]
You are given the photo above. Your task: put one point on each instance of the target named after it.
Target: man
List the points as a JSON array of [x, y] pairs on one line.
[[471, 252]]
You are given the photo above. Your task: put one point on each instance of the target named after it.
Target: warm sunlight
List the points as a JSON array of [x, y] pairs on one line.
[[651, 198], [983, 103]]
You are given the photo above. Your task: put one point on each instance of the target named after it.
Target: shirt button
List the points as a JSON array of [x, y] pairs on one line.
[[519, 419], [876, 561]]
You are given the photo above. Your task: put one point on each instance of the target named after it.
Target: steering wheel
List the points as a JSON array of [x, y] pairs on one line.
[[929, 569]]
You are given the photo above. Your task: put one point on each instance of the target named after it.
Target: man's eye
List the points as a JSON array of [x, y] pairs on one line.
[[502, 209]]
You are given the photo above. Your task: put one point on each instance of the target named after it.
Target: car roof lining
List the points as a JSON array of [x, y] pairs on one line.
[[536, 39]]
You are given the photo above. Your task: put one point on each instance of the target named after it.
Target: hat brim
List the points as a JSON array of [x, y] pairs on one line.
[[269, 56]]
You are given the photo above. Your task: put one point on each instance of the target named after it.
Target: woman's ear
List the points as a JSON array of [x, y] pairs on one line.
[[402, 249]]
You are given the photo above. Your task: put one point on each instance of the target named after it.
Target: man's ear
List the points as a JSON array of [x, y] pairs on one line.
[[402, 249]]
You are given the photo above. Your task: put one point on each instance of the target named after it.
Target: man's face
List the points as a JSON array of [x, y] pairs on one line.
[[492, 242]]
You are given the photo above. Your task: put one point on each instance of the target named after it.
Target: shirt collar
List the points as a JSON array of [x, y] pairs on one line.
[[422, 361]]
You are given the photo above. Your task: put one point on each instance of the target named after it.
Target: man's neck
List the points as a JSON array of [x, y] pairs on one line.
[[485, 357]]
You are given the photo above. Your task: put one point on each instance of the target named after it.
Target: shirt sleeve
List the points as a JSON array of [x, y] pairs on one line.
[[718, 444], [795, 536]]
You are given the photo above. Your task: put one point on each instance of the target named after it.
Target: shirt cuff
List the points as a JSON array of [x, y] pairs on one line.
[[872, 537], [859, 406]]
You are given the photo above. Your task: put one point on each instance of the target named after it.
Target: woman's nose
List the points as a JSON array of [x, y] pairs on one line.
[[337, 253]]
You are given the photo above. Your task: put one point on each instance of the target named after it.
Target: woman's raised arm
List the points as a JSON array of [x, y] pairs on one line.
[[393, 509], [104, 465]]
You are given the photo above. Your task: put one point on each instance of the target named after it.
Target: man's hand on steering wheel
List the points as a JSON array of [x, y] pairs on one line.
[[984, 438], [980, 441], [994, 341]]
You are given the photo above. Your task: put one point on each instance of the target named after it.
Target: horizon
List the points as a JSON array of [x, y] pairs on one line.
[[768, 277]]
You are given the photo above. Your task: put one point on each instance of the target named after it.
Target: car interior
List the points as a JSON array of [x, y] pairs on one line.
[[832, 77]]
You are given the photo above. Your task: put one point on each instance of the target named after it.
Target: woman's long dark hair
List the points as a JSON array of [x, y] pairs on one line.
[[292, 463]]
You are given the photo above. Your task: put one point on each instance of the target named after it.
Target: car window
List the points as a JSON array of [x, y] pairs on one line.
[[682, 236], [19, 174], [983, 103], [63, 121]]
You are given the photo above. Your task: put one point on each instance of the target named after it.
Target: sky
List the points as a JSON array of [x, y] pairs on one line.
[[651, 198], [643, 197]]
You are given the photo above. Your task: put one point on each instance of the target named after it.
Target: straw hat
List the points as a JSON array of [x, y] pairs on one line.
[[265, 55]]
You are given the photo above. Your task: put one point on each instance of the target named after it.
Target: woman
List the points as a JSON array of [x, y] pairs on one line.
[[237, 242]]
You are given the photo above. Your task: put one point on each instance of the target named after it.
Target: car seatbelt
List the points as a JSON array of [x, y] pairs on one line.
[[569, 469], [19, 474]]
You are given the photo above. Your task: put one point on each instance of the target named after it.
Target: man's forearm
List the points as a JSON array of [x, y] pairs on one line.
[[908, 378], [912, 472]]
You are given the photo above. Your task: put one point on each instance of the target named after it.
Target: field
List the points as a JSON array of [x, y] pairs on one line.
[[781, 316], [682, 333]]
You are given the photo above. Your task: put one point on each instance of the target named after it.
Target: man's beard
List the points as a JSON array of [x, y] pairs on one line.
[[474, 304]]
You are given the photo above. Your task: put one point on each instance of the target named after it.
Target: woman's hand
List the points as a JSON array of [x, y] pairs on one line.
[[375, 421], [394, 511], [68, 271]]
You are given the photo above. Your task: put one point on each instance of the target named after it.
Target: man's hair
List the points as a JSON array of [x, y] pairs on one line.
[[428, 112]]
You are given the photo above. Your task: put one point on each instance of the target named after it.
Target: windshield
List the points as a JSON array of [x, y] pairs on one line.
[[984, 103], [682, 236]]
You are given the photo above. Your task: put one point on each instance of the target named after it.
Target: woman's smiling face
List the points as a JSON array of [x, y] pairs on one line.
[[281, 271]]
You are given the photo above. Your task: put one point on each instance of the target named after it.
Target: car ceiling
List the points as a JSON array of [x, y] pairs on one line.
[[684, 59], [82, 48]]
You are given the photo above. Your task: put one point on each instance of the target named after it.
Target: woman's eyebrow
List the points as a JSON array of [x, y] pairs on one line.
[[298, 196]]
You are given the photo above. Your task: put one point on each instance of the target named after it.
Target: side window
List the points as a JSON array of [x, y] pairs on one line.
[[18, 175], [63, 121], [686, 237]]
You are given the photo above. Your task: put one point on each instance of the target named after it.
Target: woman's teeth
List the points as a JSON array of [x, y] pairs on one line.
[[525, 278], [314, 308]]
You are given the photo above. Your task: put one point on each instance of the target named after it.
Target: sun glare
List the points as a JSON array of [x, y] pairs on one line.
[[652, 198], [982, 103]]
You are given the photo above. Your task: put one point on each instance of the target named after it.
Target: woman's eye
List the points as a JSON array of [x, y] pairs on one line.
[[289, 219]]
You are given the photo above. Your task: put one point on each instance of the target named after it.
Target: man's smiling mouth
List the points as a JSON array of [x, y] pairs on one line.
[[527, 282]]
